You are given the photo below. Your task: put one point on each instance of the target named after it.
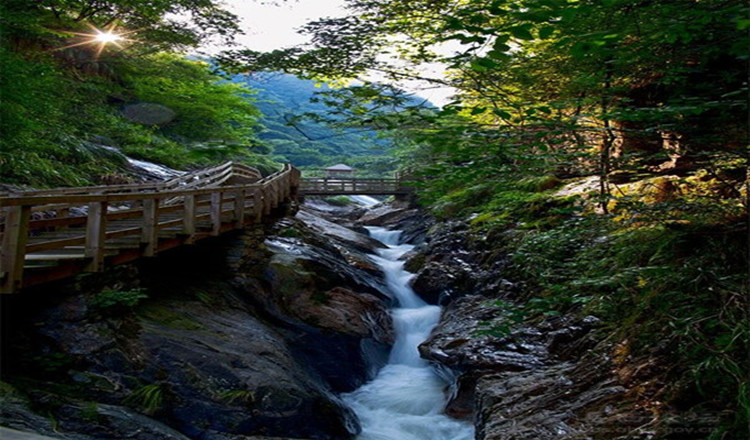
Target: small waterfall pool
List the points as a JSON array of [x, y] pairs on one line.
[[406, 399]]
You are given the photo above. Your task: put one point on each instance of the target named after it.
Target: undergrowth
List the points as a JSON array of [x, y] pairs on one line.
[[665, 274]]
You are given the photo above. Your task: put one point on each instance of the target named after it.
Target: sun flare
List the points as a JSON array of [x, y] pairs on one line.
[[107, 37], [101, 38]]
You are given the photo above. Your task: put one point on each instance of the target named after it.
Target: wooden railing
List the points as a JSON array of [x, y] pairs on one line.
[[353, 186], [52, 234]]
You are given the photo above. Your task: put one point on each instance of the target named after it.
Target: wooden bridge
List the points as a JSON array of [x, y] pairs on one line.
[[353, 186], [52, 234]]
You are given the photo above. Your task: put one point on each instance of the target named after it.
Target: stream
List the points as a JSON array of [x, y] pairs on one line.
[[406, 399]]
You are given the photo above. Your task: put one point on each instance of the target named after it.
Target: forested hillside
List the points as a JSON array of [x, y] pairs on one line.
[[603, 146], [66, 93], [291, 116]]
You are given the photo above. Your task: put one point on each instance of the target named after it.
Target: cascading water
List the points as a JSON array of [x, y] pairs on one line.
[[406, 399]]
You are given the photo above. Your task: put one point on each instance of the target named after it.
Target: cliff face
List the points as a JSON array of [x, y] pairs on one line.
[[246, 336], [538, 377]]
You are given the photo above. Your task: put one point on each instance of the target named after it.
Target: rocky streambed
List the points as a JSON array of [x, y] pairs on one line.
[[255, 336]]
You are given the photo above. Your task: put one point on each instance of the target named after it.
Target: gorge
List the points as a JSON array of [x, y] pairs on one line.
[[244, 336], [566, 255]]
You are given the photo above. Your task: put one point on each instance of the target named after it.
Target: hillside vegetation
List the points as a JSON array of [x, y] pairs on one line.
[[295, 127], [602, 145], [66, 95]]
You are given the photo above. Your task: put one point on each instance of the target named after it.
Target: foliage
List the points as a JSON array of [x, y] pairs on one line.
[[207, 19], [338, 201], [680, 287], [648, 97], [62, 96], [297, 129], [117, 300], [206, 109]]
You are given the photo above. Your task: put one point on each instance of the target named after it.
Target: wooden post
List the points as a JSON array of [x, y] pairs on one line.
[[188, 219], [63, 213], [96, 234], [276, 193], [216, 213], [150, 233], [296, 178], [257, 205], [13, 252], [267, 189], [239, 208]]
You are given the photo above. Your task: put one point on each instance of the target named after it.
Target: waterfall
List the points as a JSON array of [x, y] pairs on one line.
[[406, 399]]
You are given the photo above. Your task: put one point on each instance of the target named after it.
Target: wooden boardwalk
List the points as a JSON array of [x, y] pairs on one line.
[[52, 234]]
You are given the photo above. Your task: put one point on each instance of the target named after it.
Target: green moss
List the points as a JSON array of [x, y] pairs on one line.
[[338, 201], [320, 298], [167, 317], [9, 391], [90, 412], [245, 397], [113, 301], [290, 233], [539, 183]]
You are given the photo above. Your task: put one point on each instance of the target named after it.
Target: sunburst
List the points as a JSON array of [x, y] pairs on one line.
[[101, 38]]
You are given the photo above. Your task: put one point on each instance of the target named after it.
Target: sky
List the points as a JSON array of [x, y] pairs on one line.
[[270, 25]]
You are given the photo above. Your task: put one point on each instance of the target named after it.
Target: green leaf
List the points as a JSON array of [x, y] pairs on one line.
[[483, 64], [500, 45], [502, 113], [546, 32], [521, 32]]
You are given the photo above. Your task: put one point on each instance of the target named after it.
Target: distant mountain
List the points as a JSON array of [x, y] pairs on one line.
[[304, 142]]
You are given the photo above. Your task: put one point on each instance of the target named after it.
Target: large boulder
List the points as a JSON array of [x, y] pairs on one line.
[[200, 365], [331, 307], [455, 261], [478, 337]]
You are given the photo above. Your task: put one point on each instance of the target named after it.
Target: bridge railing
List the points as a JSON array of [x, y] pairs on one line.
[[358, 185], [93, 223], [205, 177]]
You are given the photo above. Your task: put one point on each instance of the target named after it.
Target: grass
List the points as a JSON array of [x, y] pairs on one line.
[[148, 398]]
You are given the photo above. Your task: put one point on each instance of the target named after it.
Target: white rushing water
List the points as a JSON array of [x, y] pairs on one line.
[[364, 200], [155, 170], [406, 399]]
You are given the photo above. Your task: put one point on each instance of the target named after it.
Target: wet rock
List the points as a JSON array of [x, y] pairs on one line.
[[439, 283], [454, 262], [564, 401], [328, 326], [84, 421], [347, 312], [478, 337], [194, 366], [470, 336], [230, 345], [413, 223], [337, 233]]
